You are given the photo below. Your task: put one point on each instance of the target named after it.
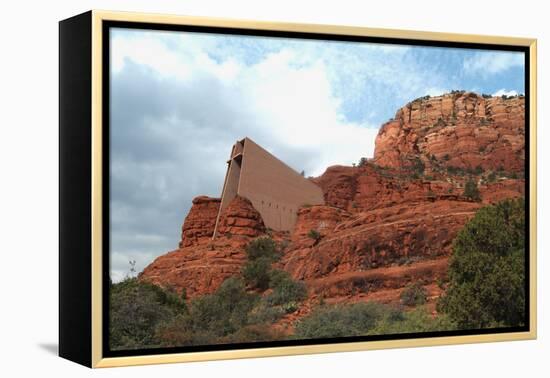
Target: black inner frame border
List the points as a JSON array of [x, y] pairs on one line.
[[106, 27]]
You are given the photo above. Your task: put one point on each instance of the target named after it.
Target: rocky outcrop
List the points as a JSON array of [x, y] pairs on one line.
[[368, 187], [201, 264], [385, 223], [199, 223], [460, 129], [241, 218], [393, 235], [199, 269]]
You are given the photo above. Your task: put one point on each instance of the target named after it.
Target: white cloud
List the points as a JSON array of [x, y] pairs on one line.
[[486, 63], [504, 92]]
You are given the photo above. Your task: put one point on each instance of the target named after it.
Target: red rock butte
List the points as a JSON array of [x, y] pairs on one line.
[[382, 224], [275, 190]]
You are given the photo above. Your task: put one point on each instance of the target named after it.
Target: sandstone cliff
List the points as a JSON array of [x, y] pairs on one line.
[[386, 222], [460, 129]]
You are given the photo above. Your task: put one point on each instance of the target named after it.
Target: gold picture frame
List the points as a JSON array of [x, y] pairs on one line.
[[83, 275]]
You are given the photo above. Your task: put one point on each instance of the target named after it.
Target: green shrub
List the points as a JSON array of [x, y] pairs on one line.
[[314, 234], [418, 320], [136, 308], [418, 166], [256, 273], [290, 307], [253, 333], [471, 191], [265, 313], [285, 289], [478, 170], [340, 321], [225, 311], [413, 295], [486, 271], [262, 247]]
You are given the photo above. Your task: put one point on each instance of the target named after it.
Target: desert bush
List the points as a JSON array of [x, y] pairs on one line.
[[136, 308], [285, 289], [340, 321], [253, 333], [471, 191], [265, 313], [487, 269], [224, 311], [413, 295], [262, 247], [418, 320], [256, 273], [314, 234]]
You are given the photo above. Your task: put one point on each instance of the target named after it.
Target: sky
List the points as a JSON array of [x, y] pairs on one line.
[[180, 100]]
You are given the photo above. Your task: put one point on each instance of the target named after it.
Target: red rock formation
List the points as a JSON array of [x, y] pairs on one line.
[[460, 129], [240, 218], [385, 223], [198, 269], [381, 237], [199, 223], [322, 219], [201, 264]]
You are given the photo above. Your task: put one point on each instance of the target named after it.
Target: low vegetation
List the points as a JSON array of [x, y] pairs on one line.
[[471, 191], [370, 318], [414, 295]]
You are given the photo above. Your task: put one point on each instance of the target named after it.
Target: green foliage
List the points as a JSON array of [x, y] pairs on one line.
[[225, 311], [368, 318], [362, 162], [340, 321], [264, 313], [256, 273], [452, 170], [447, 157], [413, 295], [262, 247], [478, 170], [211, 317], [314, 234], [492, 177], [253, 333], [418, 166], [285, 289], [418, 320], [486, 272], [136, 308], [471, 191]]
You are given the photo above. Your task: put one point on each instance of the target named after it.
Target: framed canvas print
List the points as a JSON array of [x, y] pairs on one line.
[[235, 189]]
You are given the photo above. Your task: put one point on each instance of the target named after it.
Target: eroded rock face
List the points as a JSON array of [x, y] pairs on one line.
[[379, 238], [461, 130], [198, 269], [201, 264], [199, 224], [241, 218], [385, 223]]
